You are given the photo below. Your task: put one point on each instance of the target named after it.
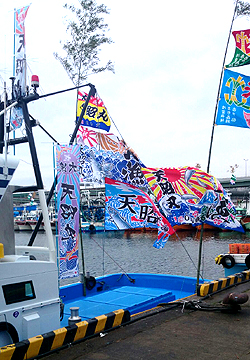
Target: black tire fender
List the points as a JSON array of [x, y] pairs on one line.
[[90, 282], [228, 261], [247, 261], [10, 330]]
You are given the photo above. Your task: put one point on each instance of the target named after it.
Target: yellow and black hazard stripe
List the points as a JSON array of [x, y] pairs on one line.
[[56, 339], [213, 286]]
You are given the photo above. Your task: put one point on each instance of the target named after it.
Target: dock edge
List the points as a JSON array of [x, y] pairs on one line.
[[223, 283], [42, 344]]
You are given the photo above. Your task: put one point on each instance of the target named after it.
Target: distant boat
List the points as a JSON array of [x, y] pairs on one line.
[[236, 260]]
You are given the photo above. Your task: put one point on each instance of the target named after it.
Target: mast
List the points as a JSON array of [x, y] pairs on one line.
[[50, 242], [212, 136], [92, 92], [14, 50], [14, 71], [219, 88]]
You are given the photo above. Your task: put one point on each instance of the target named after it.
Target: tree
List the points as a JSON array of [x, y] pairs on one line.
[[87, 34]]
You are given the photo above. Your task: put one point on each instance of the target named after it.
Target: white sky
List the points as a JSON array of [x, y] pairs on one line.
[[168, 57]]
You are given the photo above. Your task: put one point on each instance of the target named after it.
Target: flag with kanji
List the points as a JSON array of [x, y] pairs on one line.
[[20, 48], [68, 209], [128, 207], [234, 103], [188, 195], [96, 115], [242, 49]]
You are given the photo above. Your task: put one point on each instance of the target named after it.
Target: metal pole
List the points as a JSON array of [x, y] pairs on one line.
[[38, 176], [14, 70], [5, 169], [218, 94], [246, 160], [212, 135], [52, 189]]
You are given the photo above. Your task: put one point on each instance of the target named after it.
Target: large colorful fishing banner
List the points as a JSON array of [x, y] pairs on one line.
[[104, 155], [190, 196], [234, 104], [128, 207], [20, 48], [68, 202], [96, 115], [242, 49]]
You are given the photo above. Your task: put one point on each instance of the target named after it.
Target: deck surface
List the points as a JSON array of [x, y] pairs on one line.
[[173, 334], [125, 297]]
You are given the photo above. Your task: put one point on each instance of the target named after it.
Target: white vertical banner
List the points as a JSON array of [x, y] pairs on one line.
[[20, 48]]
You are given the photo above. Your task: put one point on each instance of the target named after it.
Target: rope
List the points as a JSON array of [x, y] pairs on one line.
[[124, 272], [187, 252]]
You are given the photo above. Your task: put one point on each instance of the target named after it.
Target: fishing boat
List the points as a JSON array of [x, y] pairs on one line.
[[21, 224], [31, 301], [36, 314], [243, 217], [236, 260]]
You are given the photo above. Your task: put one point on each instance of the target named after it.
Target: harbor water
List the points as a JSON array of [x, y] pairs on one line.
[[118, 251]]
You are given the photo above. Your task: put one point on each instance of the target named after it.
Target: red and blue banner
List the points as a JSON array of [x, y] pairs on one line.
[[188, 195], [234, 104], [68, 204], [96, 114], [128, 207]]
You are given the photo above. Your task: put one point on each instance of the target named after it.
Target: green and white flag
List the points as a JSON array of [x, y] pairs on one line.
[[233, 179]]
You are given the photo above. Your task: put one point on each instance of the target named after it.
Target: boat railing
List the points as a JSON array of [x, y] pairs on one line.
[[34, 250]]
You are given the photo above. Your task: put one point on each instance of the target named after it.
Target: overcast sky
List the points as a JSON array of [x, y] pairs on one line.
[[168, 57]]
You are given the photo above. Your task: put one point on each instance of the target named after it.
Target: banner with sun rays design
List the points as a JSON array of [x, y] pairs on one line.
[[68, 203], [190, 196], [128, 207], [105, 155]]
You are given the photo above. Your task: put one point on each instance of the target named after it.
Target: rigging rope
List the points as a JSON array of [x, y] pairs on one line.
[[187, 252], [101, 247]]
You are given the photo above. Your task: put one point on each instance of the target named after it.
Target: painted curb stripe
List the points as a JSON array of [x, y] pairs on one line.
[[42, 344], [91, 327], [34, 347], [81, 330], [223, 283], [59, 338], [20, 350], [47, 343], [70, 335]]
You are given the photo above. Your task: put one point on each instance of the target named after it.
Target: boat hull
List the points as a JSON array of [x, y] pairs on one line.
[[133, 292]]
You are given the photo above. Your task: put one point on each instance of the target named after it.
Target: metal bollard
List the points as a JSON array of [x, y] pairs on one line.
[[74, 317]]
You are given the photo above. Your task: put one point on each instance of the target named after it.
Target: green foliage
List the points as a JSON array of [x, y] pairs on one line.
[[87, 34]]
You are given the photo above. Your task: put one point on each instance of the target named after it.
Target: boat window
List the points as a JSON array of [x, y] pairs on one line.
[[18, 292]]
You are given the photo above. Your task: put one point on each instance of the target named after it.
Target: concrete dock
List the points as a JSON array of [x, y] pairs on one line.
[[176, 333]]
